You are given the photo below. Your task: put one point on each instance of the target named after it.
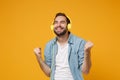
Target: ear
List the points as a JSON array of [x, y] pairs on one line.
[[69, 26], [52, 26]]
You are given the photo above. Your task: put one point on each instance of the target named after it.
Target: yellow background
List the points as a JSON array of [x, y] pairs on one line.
[[25, 24]]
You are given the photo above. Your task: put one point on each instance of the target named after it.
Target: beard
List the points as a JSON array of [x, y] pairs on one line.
[[62, 33]]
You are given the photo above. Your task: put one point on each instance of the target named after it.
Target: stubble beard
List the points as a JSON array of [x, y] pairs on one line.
[[62, 33]]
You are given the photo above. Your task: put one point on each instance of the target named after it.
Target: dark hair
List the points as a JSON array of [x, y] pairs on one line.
[[62, 14]]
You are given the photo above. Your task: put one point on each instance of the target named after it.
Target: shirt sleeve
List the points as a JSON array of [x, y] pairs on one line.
[[81, 53], [47, 55]]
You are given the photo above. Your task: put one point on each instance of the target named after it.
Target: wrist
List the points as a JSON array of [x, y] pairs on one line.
[[39, 57], [87, 53], [87, 50]]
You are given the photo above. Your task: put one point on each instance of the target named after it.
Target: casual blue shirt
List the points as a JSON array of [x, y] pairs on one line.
[[75, 57]]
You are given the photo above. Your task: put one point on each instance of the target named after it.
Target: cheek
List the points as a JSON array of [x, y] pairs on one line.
[[54, 26], [64, 25]]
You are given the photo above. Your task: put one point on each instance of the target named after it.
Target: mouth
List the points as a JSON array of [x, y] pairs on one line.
[[59, 28]]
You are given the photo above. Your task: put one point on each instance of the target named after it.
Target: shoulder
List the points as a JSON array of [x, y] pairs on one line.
[[51, 42], [77, 39], [78, 42], [48, 47]]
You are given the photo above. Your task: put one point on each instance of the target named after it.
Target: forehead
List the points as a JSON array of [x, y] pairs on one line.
[[60, 18]]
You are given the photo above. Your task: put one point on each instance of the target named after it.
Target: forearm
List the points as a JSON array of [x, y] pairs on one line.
[[45, 68], [87, 62]]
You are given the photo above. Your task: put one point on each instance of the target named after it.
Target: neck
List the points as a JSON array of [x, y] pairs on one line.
[[63, 39]]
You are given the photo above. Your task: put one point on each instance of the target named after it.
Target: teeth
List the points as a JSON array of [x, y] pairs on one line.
[[58, 28]]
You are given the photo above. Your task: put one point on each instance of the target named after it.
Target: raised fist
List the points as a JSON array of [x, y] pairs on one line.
[[37, 52], [88, 46]]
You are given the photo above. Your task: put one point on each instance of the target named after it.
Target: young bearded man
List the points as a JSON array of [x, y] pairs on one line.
[[66, 56]]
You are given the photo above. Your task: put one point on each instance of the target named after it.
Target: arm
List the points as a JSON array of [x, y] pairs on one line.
[[45, 68], [87, 58]]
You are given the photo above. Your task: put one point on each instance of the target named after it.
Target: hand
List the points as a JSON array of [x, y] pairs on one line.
[[88, 46], [37, 52]]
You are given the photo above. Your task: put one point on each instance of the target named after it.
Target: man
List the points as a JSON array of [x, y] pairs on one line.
[[66, 56]]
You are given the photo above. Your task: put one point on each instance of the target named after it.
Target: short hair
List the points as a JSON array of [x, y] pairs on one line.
[[63, 14]]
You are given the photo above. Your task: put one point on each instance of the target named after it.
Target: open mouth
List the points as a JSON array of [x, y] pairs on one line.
[[59, 28]]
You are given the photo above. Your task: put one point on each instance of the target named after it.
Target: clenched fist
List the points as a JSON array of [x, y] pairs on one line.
[[88, 46], [37, 52]]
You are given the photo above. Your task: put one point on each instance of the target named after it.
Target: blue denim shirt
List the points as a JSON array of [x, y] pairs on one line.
[[75, 57]]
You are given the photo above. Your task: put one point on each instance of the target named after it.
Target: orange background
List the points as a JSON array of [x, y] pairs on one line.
[[25, 24]]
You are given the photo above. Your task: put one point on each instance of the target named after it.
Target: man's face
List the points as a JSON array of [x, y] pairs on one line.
[[60, 25]]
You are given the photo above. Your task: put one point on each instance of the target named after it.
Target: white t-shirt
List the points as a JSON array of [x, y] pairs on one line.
[[62, 71]]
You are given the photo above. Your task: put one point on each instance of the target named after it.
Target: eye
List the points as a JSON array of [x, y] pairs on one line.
[[63, 22], [55, 22]]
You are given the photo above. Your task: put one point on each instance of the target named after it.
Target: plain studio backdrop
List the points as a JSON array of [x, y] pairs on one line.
[[25, 24]]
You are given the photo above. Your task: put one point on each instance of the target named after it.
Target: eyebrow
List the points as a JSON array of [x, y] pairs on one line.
[[60, 21]]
